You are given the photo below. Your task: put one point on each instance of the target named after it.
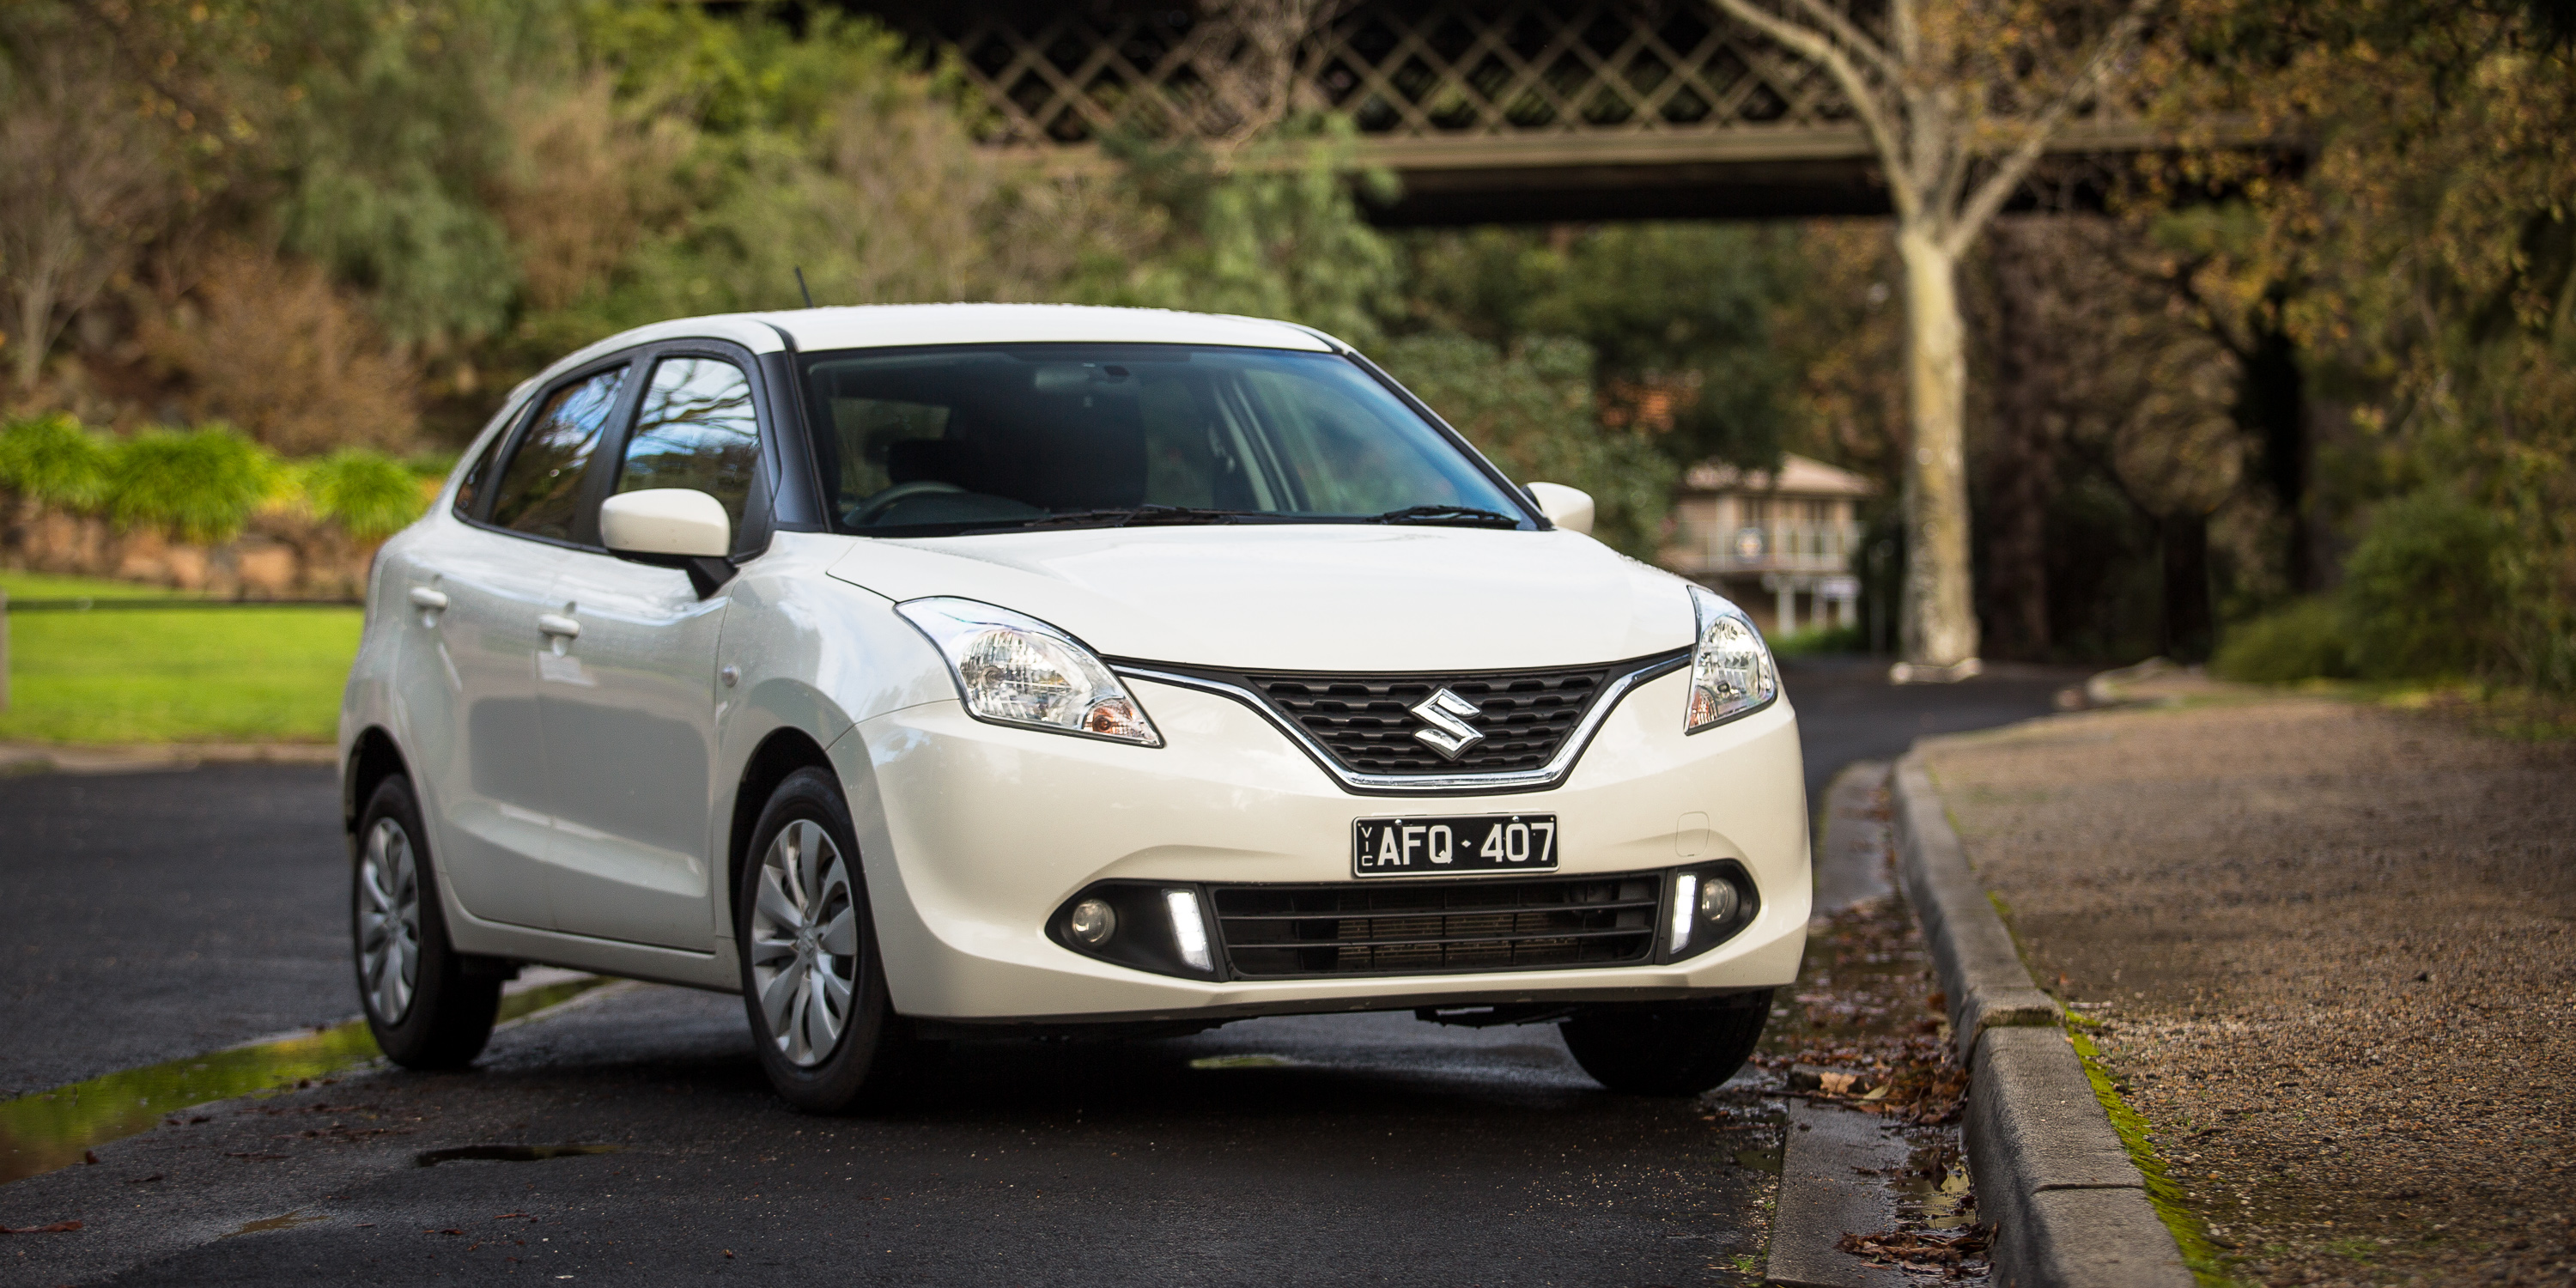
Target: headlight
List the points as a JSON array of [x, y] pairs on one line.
[[1016, 670], [1731, 668]]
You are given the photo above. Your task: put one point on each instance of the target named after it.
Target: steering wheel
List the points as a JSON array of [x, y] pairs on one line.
[[874, 508]]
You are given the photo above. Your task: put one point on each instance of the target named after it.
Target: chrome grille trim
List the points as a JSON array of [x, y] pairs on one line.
[[1454, 784]]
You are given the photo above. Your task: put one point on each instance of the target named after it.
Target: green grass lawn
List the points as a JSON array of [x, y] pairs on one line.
[[185, 675]]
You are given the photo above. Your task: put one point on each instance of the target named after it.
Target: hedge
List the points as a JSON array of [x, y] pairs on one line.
[[204, 484]]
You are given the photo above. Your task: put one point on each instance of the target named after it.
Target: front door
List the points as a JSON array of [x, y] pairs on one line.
[[630, 706]]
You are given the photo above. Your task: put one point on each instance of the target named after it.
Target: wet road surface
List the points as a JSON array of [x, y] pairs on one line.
[[151, 916], [1848, 711], [1344, 1150]]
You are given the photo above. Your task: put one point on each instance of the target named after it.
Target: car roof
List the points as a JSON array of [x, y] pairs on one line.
[[879, 325], [876, 326]]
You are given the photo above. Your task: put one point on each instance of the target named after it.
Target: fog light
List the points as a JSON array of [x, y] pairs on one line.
[[1092, 922], [1717, 900], [1707, 904]]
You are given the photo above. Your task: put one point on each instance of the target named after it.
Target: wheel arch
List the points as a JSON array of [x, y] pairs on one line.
[[786, 750], [373, 758]]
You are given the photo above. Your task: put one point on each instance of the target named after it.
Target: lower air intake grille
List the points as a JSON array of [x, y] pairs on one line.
[[1359, 928]]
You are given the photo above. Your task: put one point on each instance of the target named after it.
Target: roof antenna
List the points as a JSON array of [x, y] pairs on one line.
[[800, 286]]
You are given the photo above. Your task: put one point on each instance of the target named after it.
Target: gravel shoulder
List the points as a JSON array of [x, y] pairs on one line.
[[2331, 951]]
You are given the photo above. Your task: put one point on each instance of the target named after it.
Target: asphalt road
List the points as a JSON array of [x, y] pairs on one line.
[[148, 916], [1848, 711], [1352, 1150], [151, 916]]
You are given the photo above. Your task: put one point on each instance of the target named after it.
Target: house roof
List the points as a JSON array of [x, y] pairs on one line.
[[1798, 476]]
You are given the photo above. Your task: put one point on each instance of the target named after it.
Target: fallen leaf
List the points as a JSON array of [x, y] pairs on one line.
[[143, 1180], [58, 1227], [90, 1156]]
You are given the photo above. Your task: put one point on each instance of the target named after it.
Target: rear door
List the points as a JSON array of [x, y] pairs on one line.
[[481, 596], [630, 715]]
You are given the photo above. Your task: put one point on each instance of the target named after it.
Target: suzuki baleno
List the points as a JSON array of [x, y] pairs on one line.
[[958, 671]]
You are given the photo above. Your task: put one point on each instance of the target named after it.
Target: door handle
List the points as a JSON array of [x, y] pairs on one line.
[[424, 597], [558, 624]]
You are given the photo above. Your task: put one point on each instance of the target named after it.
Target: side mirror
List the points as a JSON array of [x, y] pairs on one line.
[[666, 521], [1569, 508], [673, 527]]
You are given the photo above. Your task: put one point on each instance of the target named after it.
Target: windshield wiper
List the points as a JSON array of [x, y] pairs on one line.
[[1466, 514], [1135, 515]]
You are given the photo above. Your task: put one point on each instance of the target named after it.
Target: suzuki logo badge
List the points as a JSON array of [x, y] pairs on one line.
[[1449, 733]]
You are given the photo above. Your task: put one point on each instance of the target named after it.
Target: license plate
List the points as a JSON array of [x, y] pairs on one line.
[[1436, 847]]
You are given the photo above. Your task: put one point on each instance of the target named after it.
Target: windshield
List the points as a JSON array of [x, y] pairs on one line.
[[922, 442]]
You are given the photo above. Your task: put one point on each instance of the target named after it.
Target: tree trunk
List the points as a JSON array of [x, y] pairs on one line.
[[2018, 466], [1940, 619], [2271, 405], [2187, 628]]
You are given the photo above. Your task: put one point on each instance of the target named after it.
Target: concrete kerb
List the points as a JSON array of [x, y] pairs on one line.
[[2068, 1206]]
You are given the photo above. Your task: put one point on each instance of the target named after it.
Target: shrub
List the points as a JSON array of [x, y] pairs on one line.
[[2421, 596], [370, 495], [52, 461], [2304, 641], [198, 485], [276, 349], [1814, 641]]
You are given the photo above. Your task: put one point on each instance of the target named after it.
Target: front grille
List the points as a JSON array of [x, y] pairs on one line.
[[1358, 928], [1367, 723]]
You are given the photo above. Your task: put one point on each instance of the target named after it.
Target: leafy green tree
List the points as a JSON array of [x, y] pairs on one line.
[[1271, 229], [2429, 258], [1530, 408], [390, 128], [1679, 316]]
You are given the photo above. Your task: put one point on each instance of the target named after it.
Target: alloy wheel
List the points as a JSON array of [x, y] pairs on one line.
[[389, 921], [805, 943]]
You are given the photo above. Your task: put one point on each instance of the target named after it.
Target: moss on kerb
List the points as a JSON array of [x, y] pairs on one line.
[[45, 1130], [2207, 1264]]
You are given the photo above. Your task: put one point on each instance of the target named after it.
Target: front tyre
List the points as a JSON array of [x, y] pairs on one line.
[[425, 1011], [1674, 1050], [811, 978]]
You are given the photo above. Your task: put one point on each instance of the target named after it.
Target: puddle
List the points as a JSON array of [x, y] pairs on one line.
[[286, 1222], [1933, 1192], [1767, 1160], [508, 1153], [1242, 1062], [52, 1129]]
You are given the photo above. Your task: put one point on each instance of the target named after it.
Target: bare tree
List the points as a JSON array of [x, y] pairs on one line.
[[1958, 99], [81, 174], [1249, 55]]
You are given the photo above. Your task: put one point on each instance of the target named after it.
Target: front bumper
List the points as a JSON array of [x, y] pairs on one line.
[[972, 835]]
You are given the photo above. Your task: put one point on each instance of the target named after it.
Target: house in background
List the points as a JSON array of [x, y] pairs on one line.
[[1781, 545]]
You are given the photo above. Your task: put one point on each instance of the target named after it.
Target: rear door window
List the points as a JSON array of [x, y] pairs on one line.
[[541, 490]]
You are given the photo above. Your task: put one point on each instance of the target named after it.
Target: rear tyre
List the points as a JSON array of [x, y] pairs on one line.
[[811, 978], [424, 1009], [1678, 1050]]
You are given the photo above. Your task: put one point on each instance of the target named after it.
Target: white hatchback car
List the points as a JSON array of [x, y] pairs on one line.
[[938, 672]]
